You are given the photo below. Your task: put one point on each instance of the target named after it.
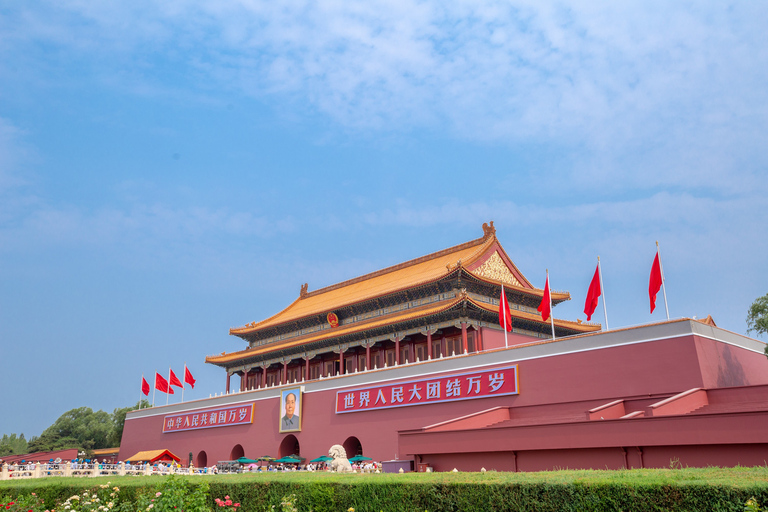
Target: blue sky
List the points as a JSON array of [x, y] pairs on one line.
[[170, 170]]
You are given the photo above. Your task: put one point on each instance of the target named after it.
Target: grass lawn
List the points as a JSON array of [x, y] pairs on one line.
[[729, 477]]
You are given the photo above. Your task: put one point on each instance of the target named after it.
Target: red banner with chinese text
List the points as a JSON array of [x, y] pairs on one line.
[[465, 386], [219, 417]]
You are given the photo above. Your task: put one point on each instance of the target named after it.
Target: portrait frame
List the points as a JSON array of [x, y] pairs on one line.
[[283, 422]]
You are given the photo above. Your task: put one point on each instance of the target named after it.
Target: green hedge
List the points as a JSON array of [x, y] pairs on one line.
[[410, 497], [707, 489]]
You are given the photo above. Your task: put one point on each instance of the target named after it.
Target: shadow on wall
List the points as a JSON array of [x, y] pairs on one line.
[[730, 372]]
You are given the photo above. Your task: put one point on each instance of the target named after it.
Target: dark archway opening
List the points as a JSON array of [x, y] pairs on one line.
[[289, 446], [353, 447], [202, 459], [237, 452]]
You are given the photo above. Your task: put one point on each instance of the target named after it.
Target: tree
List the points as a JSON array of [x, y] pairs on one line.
[[79, 428], [118, 421], [757, 317], [13, 445]]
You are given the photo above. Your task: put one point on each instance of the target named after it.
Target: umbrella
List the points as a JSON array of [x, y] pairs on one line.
[[288, 460], [359, 458], [322, 458], [246, 460], [266, 458]]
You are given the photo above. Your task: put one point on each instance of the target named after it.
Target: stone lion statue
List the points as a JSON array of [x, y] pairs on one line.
[[340, 462]]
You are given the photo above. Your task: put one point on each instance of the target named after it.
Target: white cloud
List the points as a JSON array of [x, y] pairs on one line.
[[647, 94]]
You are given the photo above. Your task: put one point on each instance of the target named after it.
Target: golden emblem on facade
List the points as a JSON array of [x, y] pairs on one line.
[[495, 268]]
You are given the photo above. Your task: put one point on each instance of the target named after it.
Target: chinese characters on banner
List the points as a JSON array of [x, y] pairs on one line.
[[221, 417], [466, 386]]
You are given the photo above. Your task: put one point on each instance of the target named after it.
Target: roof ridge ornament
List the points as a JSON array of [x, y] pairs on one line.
[[488, 230], [303, 293]]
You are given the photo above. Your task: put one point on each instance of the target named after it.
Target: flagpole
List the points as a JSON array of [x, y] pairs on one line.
[[602, 292], [168, 393], [154, 389], [663, 286], [504, 299], [142, 391], [182, 387], [551, 315]]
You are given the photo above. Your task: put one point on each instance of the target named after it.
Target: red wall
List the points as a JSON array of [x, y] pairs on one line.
[[562, 387]]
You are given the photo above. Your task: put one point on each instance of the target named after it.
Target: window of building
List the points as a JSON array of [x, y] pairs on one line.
[[436, 349], [421, 352], [361, 363], [453, 346], [390, 357], [405, 354]]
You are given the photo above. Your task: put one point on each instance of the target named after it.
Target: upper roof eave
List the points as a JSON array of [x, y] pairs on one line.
[[469, 252], [398, 316]]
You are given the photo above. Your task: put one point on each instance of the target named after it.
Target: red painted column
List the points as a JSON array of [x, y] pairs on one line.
[[368, 357], [263, 377], [429, 345], [306, 369], [464, 337], [411, 351], [397, 350], [229, 376], [341, 362], [479, 339], [284, 380]]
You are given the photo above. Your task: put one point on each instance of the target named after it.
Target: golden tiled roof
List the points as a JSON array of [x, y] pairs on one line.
[[393, 318], [406, 275], [372, 323]]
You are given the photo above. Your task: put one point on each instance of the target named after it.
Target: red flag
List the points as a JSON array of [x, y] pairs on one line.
[[173, 380], [188, 377], [162, 385], [545, 308], [505, 317], [593, 294], [654, 285], [144, 386]]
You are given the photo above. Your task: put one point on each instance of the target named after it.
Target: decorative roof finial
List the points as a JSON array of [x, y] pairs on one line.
[[303, 293], [488, 231]]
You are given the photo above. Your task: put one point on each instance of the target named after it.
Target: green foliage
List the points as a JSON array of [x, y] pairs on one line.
[[757, 316], [118, 422], [710, 489], [12, 445], [79, 428], [176, 494], [24, 503], [83, 429], [103, 498]]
